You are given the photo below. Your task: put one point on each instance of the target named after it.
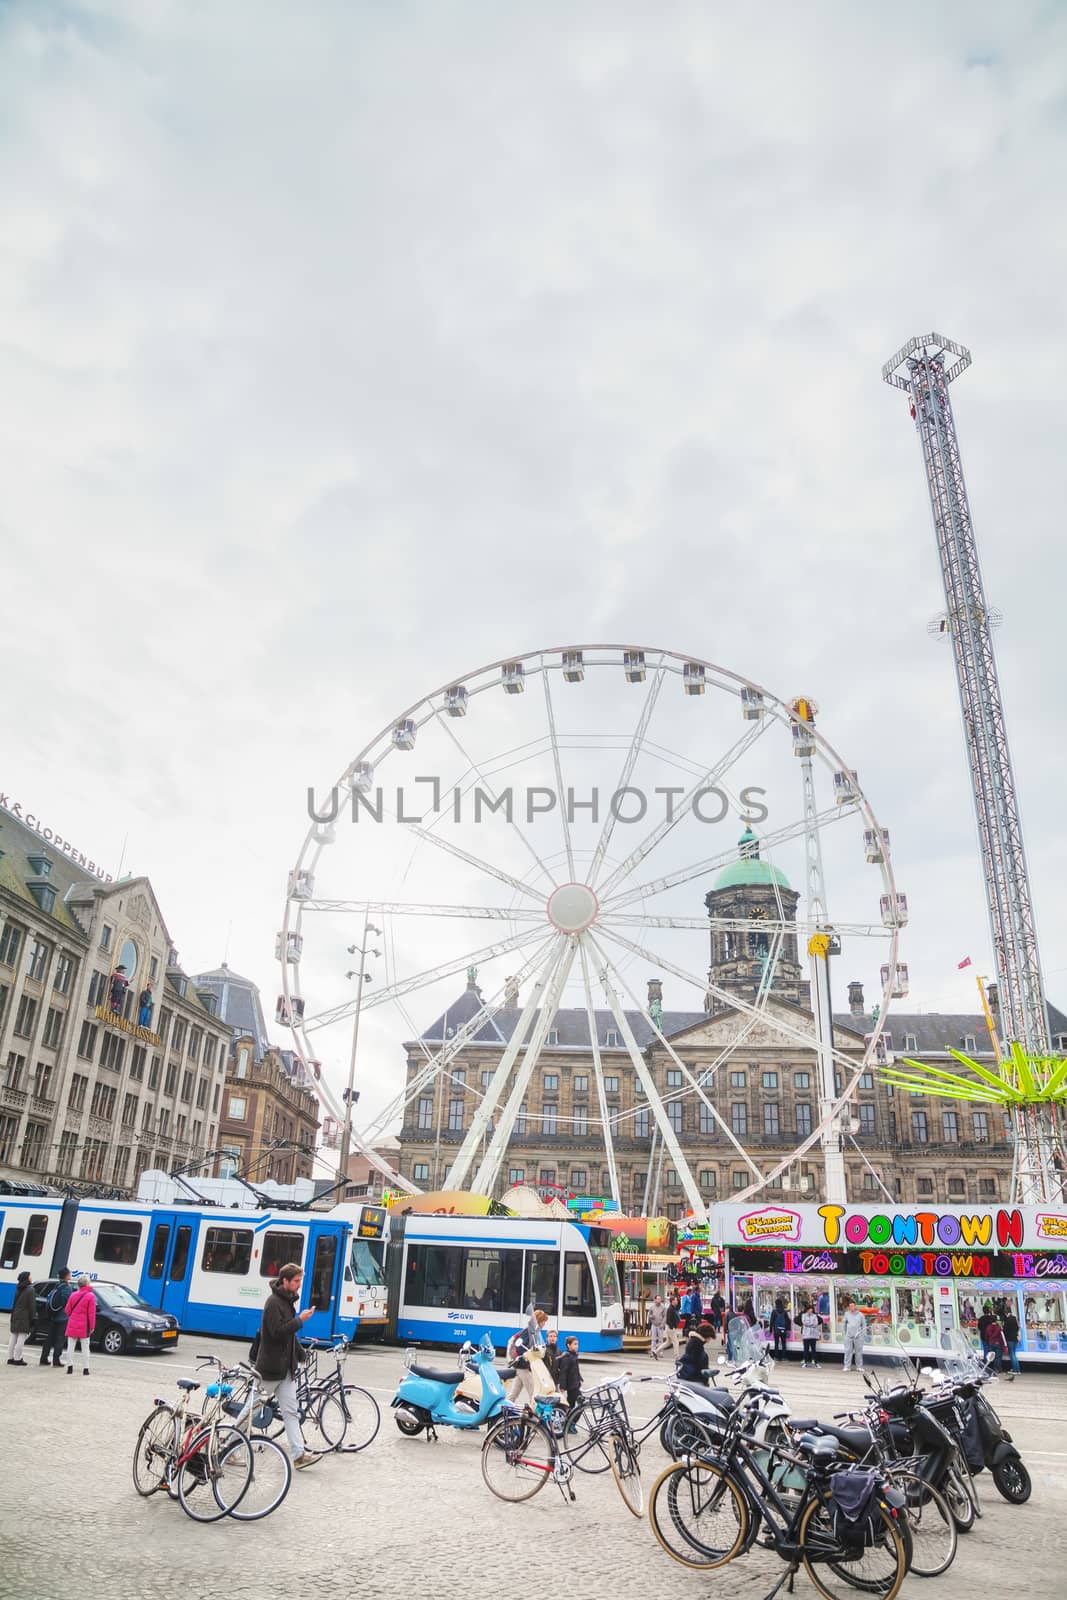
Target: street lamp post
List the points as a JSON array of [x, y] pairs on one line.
[[361, 976]]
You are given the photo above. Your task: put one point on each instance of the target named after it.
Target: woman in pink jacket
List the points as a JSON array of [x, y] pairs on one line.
[[81, 1320]]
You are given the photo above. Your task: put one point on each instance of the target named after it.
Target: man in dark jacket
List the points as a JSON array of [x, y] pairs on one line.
[[280, 1353], [55, 1333], [569, 1373], [23, 1319], [693, 1366], [1011, 1336]]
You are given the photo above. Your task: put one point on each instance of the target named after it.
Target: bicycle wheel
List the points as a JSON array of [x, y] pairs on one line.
[[877, 1565], [586, 1444], [627, 1474], [959, 1501], [214, 1474], [272, 1473], [683, 1435], [518, 1457], [154, 1450], [698, 1514], [934, 1537], [348, 1417]]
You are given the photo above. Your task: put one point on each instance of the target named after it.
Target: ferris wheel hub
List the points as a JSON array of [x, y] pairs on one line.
[[572, 907]]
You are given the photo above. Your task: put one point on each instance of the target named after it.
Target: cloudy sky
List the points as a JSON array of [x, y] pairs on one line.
[[348, 346]]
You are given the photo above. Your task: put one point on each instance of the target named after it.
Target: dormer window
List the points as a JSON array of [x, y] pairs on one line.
[[553, 1036], [611, 1039], [44, 894], [40, 866], [970, 1044]]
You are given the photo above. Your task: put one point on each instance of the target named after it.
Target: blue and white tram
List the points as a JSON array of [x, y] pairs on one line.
[[211, 1268], [453, 1278]]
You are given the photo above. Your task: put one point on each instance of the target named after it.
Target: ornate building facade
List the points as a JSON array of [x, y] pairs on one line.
[[764, 1087]]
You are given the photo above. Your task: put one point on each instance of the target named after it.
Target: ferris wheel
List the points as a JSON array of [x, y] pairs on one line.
[[561, 827]]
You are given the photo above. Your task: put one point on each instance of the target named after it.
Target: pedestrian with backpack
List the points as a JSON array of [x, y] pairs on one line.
[[81, 1320], [55, 1334], [280, 1353]]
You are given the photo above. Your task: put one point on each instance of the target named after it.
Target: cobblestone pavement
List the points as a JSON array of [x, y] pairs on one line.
[[411, 1518]]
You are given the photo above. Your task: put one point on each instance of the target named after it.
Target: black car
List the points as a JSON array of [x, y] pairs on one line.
[[123, 1320]]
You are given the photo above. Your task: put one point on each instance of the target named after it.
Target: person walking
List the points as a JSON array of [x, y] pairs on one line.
[[569, 1373], [280, 1353], [657, 1326], [983, 1323], [518, 1353], [55, 1336], [781, 1326], [855, 1329], [718, 1311], [1010, 1326], [996, 1344], [696, 1306], [693, 1366], [810, 1328], [23, 1319], [673, 1323], [81, 1320]]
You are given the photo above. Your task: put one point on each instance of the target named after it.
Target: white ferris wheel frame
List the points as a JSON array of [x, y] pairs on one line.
[[615, 913]]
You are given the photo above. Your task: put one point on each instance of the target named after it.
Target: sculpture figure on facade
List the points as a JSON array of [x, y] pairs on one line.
[[119, 984], [144, 1012]]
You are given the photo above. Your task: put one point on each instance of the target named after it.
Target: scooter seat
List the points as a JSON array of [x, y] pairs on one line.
[[438, 1377], [722, 1399]]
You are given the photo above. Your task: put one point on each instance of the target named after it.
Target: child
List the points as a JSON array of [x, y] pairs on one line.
[[810, 1327], [568, 1372]]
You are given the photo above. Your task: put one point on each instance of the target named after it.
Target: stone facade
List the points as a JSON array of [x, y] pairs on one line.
[[269, 1120], [87, 1096]]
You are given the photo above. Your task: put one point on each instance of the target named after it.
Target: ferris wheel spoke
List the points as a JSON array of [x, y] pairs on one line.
[[710, 864], [421, 980], [709, 780], [440, 843], [799, 925], [425, 908], [558, 968], [494, 797], [696, 1086], [636, 745], [598, 1073], [558, 770]]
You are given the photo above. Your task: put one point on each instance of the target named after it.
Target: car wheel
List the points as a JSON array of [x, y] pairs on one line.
[[114, 1342]]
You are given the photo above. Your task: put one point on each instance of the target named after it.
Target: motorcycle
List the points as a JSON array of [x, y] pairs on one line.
[[986, 1441], [426, 1398]]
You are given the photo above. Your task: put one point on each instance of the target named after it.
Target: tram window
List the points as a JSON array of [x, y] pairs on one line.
[[227, 1250], [158, 1256], [35, 1234], [118, 1241], [279, 1249], [542, 1281], [12, 1249], [322, 1270], [492, 1280], [181, 1253], [578, 1297], [434, 1275]]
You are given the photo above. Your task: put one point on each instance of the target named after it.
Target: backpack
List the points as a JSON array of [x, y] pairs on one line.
[[56, 1306]]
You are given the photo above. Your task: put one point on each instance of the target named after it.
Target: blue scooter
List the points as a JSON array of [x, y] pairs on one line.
[[426, 1396]]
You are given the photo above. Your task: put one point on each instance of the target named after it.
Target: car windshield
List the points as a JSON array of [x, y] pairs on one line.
[[114, 1295]]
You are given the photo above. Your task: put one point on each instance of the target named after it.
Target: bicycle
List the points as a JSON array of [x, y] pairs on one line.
[[336, 1415], [186, 1453], [522, 1450], [706, 1512], [237, 1389]]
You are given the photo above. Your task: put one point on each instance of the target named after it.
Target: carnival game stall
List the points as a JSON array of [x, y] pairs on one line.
[[916, 1274]]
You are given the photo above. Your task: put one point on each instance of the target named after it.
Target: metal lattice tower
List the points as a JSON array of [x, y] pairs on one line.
[[923, 369]]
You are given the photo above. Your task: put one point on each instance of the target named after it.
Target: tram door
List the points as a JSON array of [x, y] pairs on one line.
[[166, 1273], [322, 1277]]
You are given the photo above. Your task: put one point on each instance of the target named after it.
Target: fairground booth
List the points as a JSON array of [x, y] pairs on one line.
[[915, 1274]]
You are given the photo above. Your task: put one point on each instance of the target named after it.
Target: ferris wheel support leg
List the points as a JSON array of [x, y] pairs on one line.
[[482, 1118], [486, 1175], [833, 1156]]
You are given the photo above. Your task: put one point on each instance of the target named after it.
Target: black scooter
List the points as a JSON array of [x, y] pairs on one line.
[[987, 1443]]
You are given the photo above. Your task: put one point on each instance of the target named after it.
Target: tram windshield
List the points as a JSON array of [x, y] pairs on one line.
[[607, 1275], [363, 1265]]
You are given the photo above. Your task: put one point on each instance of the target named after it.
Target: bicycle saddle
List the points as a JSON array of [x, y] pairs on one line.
[[853, 1438], [818, 1446], [187, 1383], [438, 1377], [721, 1398]]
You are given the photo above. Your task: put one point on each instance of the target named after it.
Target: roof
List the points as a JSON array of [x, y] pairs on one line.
[[17, 844], [938, 1031], [239, 1003], [749, 869]]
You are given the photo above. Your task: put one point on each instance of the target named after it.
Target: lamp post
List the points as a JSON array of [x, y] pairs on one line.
[[361, 976]]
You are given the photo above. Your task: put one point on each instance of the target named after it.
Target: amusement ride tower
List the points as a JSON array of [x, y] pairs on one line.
[[923, 369]]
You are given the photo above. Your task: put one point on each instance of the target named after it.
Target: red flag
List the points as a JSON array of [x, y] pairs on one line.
[[964, 963]]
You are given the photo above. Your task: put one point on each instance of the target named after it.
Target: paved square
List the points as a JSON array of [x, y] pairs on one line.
[[407, 1518]]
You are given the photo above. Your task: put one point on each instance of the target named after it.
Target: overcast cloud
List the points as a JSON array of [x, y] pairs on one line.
[[346, 346]]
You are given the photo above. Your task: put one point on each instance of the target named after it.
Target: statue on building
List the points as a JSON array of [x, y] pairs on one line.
[[511, 993], [145, 1003], [119, 984]]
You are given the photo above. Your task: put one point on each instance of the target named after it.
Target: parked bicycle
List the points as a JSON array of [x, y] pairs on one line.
[[202, 1460], [523, 1450], [334, 1415]]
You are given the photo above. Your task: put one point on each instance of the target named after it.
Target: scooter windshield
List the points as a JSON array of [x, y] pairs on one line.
[[486, 1346], [745, 1341], [961, 1355]]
